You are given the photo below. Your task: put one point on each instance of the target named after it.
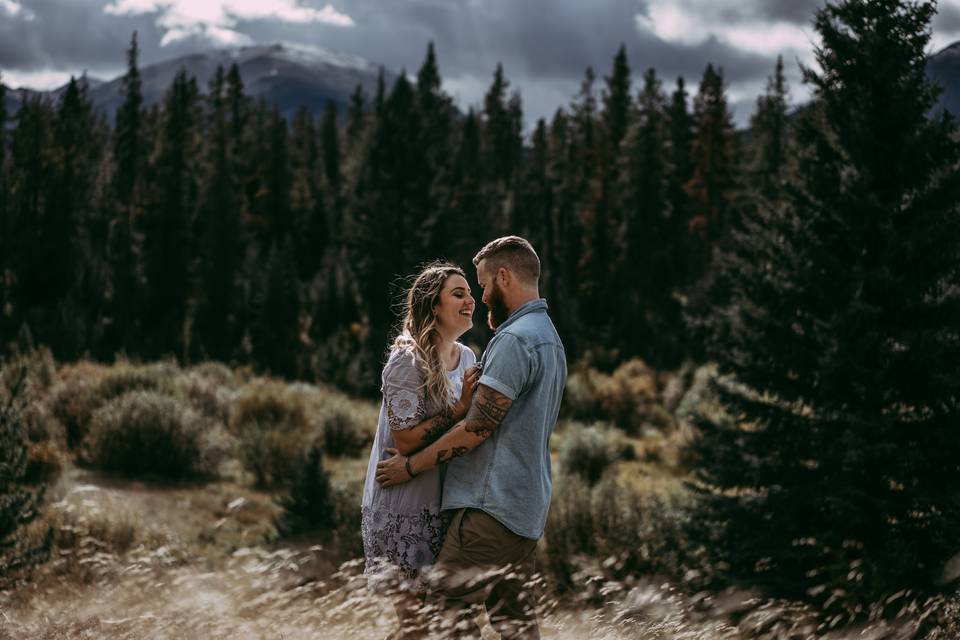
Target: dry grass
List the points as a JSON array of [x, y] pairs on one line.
[[137, 559]]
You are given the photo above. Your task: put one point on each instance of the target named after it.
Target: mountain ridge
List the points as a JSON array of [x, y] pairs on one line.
[[283, 74]]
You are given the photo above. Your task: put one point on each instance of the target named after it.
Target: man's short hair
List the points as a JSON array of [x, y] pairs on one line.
[[514, 253]]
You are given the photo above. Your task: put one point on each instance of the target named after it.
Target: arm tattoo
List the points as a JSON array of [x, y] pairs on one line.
[[438, 425], [487, 412], [445, 455]]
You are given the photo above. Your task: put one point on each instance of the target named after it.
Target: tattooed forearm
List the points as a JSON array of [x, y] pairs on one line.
[[445, 455], [487, 412], [438, 425]]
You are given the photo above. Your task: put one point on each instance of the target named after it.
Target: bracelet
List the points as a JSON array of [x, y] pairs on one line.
[[406, 465]]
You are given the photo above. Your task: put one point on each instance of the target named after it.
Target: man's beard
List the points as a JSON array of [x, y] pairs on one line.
[[497, 312]]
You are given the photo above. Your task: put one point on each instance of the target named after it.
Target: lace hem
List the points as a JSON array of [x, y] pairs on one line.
[[398, 545]]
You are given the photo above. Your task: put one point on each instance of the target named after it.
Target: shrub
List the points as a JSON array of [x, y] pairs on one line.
[[268, 402], [73, 399], [347, 498], [123, 378], [19, 499], [310, 503], [611, 530], [270, 420], [342, 436], [149, 433], [632, 397], [587, 452], [206, 394], [44, 463], [86, 387]]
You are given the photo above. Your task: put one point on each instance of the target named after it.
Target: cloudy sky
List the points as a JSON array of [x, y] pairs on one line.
[[544, 45]]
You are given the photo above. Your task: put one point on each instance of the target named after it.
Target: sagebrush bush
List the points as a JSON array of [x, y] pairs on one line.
[[310, 502], [85, 387], [206, 394], [342, 436], [611, 528], [633, 396], [270, 420], [347, 497], [268, 402], [122, 378], [73, 399], [588, 451], [44, 462], [150, 433]]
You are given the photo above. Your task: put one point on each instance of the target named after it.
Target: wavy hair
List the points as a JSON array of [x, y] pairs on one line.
[[419, 328]]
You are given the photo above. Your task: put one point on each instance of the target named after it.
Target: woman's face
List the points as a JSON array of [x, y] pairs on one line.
[[455, 308]]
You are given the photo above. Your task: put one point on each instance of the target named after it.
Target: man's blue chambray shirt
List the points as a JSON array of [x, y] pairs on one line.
[[508, 475]]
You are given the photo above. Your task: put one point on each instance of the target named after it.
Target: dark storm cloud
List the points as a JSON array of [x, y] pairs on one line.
[[536, 40], [947, 19], [71, 36], [799, 12], [544, 45]]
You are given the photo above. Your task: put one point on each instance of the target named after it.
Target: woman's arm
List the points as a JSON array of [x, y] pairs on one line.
[[415, 438]]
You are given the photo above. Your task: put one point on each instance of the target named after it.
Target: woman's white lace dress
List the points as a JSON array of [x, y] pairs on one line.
[[401, 526]]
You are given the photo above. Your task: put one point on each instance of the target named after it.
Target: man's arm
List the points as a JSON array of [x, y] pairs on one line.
[[484, 417]]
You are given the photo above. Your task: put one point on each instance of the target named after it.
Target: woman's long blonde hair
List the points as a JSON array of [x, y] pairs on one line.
[[419, 328]]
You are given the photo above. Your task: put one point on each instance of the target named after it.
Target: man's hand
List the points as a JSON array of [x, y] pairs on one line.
[[393, 470]]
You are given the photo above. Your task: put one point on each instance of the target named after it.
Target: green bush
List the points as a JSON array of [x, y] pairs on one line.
[[633, 397], [85, 387], [310, 503], [611, 530], [347, 499], [149, 433], [206, 394], [270, 419], [587, 451], [342, 436]]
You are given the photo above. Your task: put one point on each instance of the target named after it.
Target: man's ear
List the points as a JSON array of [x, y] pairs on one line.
[[504, 276]]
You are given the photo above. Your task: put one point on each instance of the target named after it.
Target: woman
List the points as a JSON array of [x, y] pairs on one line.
[[428, 383]]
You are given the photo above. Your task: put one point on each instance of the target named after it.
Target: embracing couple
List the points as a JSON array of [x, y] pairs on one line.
[[458, 484]]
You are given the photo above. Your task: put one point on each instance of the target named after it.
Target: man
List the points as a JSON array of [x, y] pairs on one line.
[[500, 494]]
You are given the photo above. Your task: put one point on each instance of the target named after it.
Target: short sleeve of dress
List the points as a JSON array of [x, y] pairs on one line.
[[403, 393]]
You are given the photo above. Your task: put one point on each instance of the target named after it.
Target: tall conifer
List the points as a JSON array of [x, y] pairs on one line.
[[835, 477]]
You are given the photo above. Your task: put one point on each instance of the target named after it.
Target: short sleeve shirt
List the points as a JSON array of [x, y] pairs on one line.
[[509, 475]]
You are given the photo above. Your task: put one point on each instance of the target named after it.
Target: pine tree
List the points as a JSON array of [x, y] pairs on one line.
[[650, 318], [19, 499], [6, 227], [835, 477], [32, 170], [218, 227], [616, 99], [75, 283], [594, 168], [566, 165], [168, 254], [770, 132], [276, 328], [307, 194], [714, 173], [681, 164], [390, 196], [125, 237], [356, 117]]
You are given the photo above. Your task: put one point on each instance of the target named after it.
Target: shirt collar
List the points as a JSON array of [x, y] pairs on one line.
[[537, 304]]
